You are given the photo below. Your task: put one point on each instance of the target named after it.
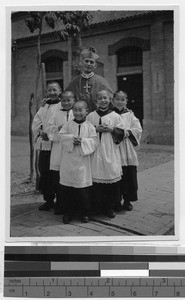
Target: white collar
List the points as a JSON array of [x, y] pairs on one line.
[[87, 76]]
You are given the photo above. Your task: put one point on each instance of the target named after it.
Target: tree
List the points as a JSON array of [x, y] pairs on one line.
[[71, 24]]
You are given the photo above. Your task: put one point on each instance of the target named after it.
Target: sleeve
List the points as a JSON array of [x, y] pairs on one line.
[[118, 133], [52, 129], [66, 139], [89, 145], [37, 123], [135, 131]]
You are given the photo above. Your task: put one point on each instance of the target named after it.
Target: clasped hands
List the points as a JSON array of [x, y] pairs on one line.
[[104, 128], [44, 136], [77, 141]]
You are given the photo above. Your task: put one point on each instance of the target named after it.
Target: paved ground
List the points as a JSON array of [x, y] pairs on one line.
[[153, 214]]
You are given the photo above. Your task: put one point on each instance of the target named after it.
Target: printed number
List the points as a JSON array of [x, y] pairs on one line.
[[163, 280], [178, 293], [69, 293], [155, 293], [91, 293], [113, 294], [134, 293], [48, 293]]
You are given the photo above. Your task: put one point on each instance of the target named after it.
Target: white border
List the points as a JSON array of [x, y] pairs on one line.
[[133, 5], [179, 122]]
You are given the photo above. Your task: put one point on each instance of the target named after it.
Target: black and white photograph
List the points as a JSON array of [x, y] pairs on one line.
[[92, 123]]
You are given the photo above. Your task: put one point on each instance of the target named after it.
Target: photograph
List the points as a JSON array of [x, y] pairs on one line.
[[92, 131]]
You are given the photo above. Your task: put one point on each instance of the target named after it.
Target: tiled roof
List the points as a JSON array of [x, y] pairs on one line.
[[20, 30], [110, 16]]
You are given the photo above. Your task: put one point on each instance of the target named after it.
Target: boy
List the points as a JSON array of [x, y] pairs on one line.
[[40, 127], [79, 141], [106, 161], [128, 147], [62, 115]]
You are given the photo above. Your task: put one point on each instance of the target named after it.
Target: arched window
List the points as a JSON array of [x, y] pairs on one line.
[[129, 56], [54, 69]]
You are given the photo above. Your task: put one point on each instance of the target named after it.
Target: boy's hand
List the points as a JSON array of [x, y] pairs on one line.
[[100, 128], [77, 141], [104, 128], [126, 134], [44, 101], [107, 128], [44, 136], [59, 127]]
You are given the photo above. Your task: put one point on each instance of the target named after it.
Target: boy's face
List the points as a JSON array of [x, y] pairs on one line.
[[89, 65], [120, 101], [67, 100], [53, 91], [103, 99], [79, 111]]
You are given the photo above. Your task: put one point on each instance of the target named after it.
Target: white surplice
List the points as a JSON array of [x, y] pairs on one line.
[[127, 149], [59, 118], [40, 120], [75, 168], [106, 160]]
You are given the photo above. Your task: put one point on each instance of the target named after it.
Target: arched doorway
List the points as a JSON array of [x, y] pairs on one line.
[[130, 77]]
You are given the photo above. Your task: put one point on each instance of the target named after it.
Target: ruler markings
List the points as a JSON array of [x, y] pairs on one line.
[[165, 279]]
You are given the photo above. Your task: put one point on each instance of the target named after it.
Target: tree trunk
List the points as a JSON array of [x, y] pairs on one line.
[[37, 174], [37, 152], [31, 137], [38, 63], [76, 44], [43, 73]]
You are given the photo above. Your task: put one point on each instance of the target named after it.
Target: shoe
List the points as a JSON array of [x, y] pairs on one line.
[[85, 219], [118, 207], [128, 206], [110, 213], [67, 219], [58, 211], [46, 206]]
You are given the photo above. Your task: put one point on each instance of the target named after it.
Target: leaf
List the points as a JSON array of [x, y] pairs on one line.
[[50, 21]]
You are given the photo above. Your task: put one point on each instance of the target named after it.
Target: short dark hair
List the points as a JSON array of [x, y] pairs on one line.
[[62, 94], [120, 92], [53, 82], [81, 101], [102, 90]]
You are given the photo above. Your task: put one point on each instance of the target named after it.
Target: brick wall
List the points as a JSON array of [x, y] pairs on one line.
[[158, 93]]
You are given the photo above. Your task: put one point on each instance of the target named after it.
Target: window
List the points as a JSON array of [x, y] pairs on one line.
[[129, 56], [53, 64], [54, 69]]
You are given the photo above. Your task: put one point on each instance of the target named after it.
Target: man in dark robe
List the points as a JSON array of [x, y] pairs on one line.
[[87, 84]]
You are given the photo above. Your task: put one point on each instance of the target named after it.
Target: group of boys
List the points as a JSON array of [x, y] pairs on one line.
[[87, 142]]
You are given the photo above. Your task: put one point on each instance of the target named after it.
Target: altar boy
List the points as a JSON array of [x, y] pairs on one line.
[[79, 141]]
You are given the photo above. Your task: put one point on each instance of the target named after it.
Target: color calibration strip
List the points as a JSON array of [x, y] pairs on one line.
[[46, 272], [93, 269]]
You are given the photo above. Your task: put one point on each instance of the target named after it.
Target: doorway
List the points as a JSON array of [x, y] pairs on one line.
[[132, 84]]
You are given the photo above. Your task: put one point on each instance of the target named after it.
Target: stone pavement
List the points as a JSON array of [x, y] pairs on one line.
[[153, 214]]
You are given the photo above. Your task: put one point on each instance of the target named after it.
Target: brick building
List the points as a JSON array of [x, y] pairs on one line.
[[136, 54]]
